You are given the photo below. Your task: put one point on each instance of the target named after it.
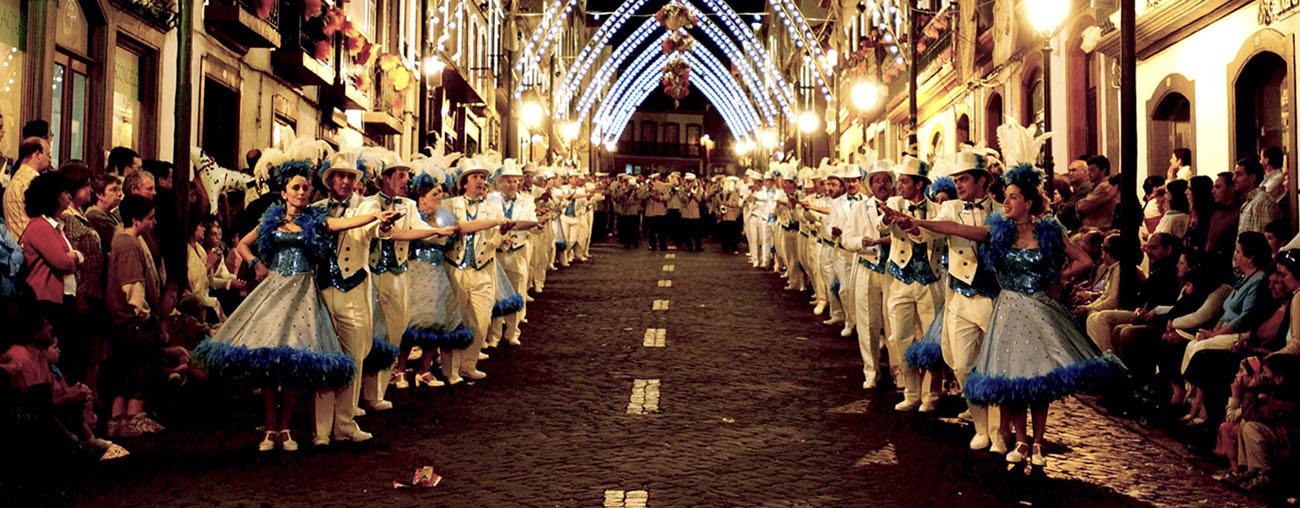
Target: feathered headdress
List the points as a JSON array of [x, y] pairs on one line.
[[373, 159], [941, 185], [1024, 176], [427, 171], [313, 151], [1020, 145]]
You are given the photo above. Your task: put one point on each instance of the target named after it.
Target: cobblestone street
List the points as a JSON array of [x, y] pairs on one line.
[[717, 389]]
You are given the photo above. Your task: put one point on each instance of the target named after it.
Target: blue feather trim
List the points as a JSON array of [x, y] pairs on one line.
[[381, 357], [312, 222], [1002, 236], [1061, 381], [428, 339], [508, 306], [924, 355], [835, 287], [561, 245], [281, 365]]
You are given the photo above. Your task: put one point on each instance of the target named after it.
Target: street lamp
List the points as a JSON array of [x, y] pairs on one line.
[[1046, 16], [530, 115], [807, 124], [864, 94], [707, 143]]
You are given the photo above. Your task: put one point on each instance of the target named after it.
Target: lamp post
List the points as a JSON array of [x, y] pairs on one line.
[[707, 143], [1046, 16]]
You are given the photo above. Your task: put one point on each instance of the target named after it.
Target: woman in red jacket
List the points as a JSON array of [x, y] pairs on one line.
[[51, 262]]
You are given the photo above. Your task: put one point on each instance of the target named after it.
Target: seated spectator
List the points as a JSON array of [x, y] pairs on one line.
[[1153, 203], [1161, 288], [1103, 292], [1176, 218], [1200, 201], [1269, 423], [132, 296], [1138, 343], [1278, 234], [75, 406], [1247, 307]]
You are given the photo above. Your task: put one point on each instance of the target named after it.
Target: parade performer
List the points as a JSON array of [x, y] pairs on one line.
[[281, 337], [912, 295], [512, 255], [966, 316], [762, 219], [435, 322], [787, 229], [926, 355], [473, 263], [543, 237], [1032, 354]]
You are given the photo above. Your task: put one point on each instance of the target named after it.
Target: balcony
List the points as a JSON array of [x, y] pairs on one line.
[[237, 23], [295, 59], [386, 116], [346, 92], [657, 149]]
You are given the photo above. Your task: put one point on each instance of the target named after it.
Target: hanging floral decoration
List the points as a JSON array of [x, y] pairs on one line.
[[676, 79], [675, 16], [679, 41], [395, 73]]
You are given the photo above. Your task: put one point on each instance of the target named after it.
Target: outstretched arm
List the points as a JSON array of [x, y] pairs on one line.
[[1080, 262], [475, 226], [972, 233]]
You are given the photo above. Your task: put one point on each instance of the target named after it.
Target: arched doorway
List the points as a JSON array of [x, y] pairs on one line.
[[1171, 122], [992, 120], [75, 98], [1031, 111], [962, 131], [936, 144], [1261, 99]]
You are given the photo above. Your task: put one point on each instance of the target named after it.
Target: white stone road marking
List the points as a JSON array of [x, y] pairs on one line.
[[670, 256], [645, 397], [660, 305], [654, 337], [665, 283], [886, 456], [626, 499], [669, 268]]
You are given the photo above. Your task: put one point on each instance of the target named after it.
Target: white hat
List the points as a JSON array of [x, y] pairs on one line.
[[850, 170], [749, 173], [342, 162], [510, 167], [469, 166], [968, 160], [912, 166], [690, 176]]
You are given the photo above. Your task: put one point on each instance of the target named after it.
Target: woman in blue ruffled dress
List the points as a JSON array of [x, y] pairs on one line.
[[281, 338], [435, 321], [1032, 353]]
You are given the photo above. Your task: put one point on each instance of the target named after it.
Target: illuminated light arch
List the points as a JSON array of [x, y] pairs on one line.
[[605, 73], [543, 27], [752, 47], [603, 34], [645, 90], [787, 11]]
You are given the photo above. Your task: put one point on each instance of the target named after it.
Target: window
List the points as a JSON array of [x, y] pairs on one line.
[[992, 120], [220, 123], [70, 108], [128, 97], [672, 133], [649, 132], [693, 139], [282, 132], [1033, 110], [963, 130], [1261, 100], [1171, 127]]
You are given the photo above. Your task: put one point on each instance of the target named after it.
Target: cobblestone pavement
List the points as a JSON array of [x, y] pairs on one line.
[[743, 399]]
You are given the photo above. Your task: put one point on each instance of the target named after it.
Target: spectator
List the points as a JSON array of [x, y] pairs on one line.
[[133, 296], [1176, 218], [1257, 208], [51, 262], [1097, 208], [1161, 288], [1246, 307], [123, 161], [1200, 199], [198, 267], [1277, 233], [1103, 293], [11, 262], [6, 164], [1272, 159], [84, 338], [1180, 165], [33, 159], [102, 215], [37, 129], [1269, 422], [1080, 187], [1221, 235], [75, 406], [1153, 188], [220, 260]]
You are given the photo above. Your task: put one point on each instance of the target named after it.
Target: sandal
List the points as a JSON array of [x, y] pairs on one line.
[[114, 452], [428, 380], [1018, 454], [399, 381]]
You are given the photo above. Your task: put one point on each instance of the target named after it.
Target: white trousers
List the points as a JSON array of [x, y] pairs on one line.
[[871, 324], [820, 284], [826, 264], [351, 315], [790, 243], [516, 267], [911, 309], [846, 269], [965, 321], [392, 290], [476, 293]]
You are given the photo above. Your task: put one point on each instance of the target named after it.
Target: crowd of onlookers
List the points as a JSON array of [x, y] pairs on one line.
[[1207, 328]]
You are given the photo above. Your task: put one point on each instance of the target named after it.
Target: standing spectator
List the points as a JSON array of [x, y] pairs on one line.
[[1080, 186], [1221, 235], [102, 214], [1257, 207], [1271, 158], [6, 164], [11, 262], [33, 159], [197, 269], [123, 161], [1097, 208], [36, 129], [1180, 165], [1176, 218], [133, 295], [86, 340], [142, 184], [50, 259]]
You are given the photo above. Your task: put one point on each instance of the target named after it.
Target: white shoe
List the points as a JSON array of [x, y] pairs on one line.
[[998, 447], [965, 415], [1018, 455], [483, 356], [357, 411], [980, 442], [906, 405], [379, 405], [869, 384], [788, 288], [928, 407], [833, 321], [320, 441], [528, 298], [286, 442], [1036, 458], [268, 442], [453, 381], [474, 374], [513, 341], [846, 332], [819, 309], [356, 436], [492, 343]]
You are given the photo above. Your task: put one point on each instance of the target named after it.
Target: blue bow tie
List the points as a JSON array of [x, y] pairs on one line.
[[473, 201], [855, 198], [969, 205], [915, 207]]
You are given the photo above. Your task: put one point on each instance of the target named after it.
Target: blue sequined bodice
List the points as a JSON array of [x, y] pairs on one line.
[[427, 252], [1026, 271], [289, 256]]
